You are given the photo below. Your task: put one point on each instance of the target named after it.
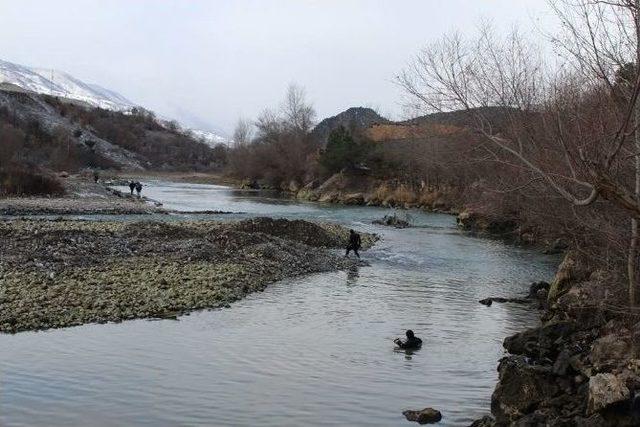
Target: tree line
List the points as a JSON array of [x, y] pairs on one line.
[[551, 146]]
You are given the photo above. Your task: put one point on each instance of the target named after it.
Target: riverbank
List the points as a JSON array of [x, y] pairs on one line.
[[65, 273], [82, 196], [581, 366], [483, 220]]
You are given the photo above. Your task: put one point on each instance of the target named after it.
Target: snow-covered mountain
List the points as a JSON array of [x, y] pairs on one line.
[[209, 137], [58, 83]]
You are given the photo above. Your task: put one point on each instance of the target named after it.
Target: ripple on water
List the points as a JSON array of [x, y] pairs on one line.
[[315, 350]]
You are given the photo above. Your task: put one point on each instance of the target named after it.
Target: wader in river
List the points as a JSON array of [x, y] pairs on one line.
[[354, 243]]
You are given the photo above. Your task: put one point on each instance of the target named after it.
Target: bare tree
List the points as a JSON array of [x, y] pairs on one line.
[[567, 126], [243, 132], [280, 151], [298, 113]]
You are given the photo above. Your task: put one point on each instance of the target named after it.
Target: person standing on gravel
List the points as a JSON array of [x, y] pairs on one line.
[[132, 186], [355, 243], [138, 188]]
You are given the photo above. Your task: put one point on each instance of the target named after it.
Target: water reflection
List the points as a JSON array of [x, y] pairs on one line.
[[352, 275]]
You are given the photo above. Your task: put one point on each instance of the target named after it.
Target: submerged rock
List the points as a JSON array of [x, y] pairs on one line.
[[425, 416], [489, 301], [392, 221]]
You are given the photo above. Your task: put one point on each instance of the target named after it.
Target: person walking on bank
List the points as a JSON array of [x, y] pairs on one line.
[[354, 243], [132, 186], [138, 188]]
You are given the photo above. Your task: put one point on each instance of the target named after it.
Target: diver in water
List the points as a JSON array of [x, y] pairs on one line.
[[354, 243], [132, 186], [412, 342], [138, 188]]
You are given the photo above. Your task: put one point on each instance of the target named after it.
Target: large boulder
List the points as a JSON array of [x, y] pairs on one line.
[[353, 199], [521, 387], [604, 390], [540, 342], [572, 270], [609, 351], [425, 416]]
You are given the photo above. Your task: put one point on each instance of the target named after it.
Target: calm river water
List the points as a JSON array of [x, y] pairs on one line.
[[314, 350]]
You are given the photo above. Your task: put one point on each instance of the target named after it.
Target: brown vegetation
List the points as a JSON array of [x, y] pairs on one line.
[[20, 181], [568, 139], [282, 153]]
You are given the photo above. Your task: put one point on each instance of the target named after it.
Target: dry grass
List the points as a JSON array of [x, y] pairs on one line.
[[20, 181]]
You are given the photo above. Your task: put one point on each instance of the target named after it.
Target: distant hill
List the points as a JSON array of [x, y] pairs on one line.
[[356, 118], [497, 116], [380, 129], [16, 77], [61, 134]]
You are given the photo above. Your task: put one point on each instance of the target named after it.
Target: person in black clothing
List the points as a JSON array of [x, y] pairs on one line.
[[132, 186], [412, 341], [138, 188], [354, 243]]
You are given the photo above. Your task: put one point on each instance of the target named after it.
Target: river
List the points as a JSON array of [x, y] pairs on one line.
[[314, 350]]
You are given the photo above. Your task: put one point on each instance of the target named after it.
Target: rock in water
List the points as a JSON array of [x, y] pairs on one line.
[[604, 390], [426, 416]]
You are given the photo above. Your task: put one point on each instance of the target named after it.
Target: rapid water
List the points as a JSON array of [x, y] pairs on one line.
[[314, 350]]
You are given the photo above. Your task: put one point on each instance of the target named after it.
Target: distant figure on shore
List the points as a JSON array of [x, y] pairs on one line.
[[132, 186], [138, 188], [96, 176], [412, 342], [354, 243]]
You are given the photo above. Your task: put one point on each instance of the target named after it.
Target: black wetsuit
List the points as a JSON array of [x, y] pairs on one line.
[[354, 244], [132, 186], [138, 188], [410, 343]]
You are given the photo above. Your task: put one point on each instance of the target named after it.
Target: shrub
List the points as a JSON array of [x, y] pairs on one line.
[[22, 181], [342, 151]]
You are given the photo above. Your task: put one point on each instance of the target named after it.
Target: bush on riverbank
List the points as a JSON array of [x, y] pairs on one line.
[[20, 181]]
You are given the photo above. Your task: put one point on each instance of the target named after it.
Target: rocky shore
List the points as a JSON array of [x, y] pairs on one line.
[[581, 366], [361, 189], [62, 273]]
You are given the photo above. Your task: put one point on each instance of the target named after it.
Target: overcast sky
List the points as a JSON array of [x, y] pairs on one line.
[[222, 59]]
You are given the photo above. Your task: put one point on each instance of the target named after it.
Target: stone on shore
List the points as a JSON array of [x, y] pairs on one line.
[[521, 387], [605, 390], [485, 421]]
